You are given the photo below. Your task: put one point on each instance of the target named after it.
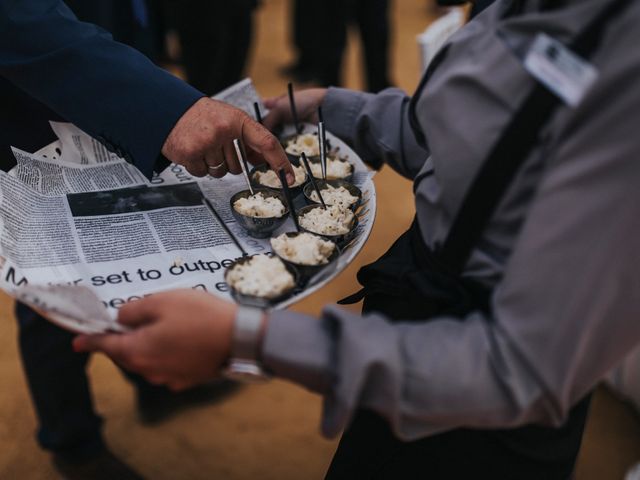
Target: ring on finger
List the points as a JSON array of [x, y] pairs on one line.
[[215, 168]]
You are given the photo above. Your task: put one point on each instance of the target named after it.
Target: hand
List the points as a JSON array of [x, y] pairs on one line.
[[202, 141], [307, 103], [180, 338]]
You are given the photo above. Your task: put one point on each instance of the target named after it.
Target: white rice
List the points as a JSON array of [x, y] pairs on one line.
[[337, 169], [272, 180], [303, 249], [330, 221], [263, 276], [306, 143], [335, 196], [259, 206]]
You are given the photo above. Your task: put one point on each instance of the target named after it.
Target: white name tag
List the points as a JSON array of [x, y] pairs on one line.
[[559, 69]]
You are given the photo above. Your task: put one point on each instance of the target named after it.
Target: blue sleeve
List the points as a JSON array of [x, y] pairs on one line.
[[111, 91]]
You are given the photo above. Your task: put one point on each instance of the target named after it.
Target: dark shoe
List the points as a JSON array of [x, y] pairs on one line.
[[161, 404], [104, 466]]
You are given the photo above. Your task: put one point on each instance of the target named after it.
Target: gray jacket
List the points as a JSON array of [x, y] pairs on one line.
[[561, 253]]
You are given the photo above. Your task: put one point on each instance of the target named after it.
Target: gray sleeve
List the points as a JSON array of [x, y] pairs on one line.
[[565, 312], [376, 127]]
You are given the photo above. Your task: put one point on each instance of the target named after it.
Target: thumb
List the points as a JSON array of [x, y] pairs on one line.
[[110, 344], [272, 102]]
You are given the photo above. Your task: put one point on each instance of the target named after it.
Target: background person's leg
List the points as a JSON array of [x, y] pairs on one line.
[[372, 17], [68, 424]]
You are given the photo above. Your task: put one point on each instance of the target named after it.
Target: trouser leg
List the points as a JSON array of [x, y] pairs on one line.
[[372, 17], [236, 28], [57, 380], [370, 450], [330, 40], [199, 34]]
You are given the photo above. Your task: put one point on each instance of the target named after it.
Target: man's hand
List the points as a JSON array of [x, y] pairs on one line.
[[202, 141], [307, 103], [180, 338]]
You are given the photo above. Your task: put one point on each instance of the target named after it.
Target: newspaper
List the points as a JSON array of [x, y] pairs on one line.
[[91, 230]]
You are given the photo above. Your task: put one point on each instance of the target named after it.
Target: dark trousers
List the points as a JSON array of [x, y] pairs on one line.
[[320, 35], [369, 450], [56, 376], [372, 19], [215, 36], [60, 390]]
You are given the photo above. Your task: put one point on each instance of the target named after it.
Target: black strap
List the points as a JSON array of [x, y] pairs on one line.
[[510, 152]]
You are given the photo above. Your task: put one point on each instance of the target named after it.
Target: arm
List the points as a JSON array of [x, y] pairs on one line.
[[376, 126], [117, 95], [564, 313], [109, 90]]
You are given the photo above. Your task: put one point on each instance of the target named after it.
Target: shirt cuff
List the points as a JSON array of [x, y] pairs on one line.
[[297, 347]]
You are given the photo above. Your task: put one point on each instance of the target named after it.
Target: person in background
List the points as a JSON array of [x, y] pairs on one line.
[[215, 39], [129, 21], [54, 67], [320, 38], [488, 323]]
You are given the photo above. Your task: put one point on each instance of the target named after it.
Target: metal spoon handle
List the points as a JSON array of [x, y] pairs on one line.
[[289, 197], [243, 163]]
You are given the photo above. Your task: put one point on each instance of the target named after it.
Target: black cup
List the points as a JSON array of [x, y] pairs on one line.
[[259, 227], [261, 302], [308, 271]]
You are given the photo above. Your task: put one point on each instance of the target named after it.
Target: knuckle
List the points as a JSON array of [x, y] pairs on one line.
[[269, 142]]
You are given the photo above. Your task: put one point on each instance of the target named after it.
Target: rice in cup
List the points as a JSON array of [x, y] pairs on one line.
[[262, 276], [330, 221], [337, 168], [303, 249], [259, 206], [334, 196], [306, 143], [270, 179]]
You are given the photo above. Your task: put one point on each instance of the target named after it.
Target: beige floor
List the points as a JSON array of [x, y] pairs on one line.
[[270, 431]]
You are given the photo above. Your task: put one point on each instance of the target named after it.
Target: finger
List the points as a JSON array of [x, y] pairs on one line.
[[139, 312], [254, 158], [216, 164], [272, 102], [233, 163], [112, 345], [279, 112], [197, 168], [261, 140]]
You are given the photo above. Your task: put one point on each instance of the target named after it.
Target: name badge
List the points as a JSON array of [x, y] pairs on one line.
[[559, 69]]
